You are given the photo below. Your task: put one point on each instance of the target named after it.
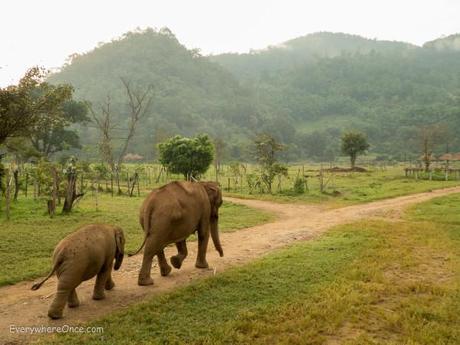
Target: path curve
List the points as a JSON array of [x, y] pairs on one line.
[[20, 306]]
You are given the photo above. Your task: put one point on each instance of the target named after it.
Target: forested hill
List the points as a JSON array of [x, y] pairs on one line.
[[305, 91], [190, 93], [307, 49], [324, 83]]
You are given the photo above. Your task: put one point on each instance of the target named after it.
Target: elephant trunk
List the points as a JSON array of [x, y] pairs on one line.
[[215, 236]]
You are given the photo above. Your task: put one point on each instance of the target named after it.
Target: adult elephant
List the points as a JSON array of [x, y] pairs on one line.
[[172, 213]]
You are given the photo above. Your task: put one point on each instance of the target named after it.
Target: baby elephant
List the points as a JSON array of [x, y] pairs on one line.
[[87, 252]]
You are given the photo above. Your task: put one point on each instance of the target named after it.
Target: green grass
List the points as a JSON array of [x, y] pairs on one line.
[[370, 282], [28, 239], [352, 188]]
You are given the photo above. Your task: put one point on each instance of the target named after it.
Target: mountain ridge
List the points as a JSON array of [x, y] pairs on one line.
[[383, 88]]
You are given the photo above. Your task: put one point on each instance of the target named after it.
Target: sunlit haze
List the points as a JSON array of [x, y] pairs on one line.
[[46, 32]]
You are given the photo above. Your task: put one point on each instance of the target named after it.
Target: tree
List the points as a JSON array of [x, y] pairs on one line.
[[105, 126], [429, 136], [219, 148], [31, 103], [138, 104], [266, 148], [71, 194], [190, 157], [48, 139], [353, 144]]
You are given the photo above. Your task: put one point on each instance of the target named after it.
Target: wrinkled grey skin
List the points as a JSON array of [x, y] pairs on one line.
[[172, 213], [90, 251]]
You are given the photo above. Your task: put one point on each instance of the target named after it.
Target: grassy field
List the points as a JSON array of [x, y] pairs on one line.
[[28, 239], [349, 188], [370, 282]]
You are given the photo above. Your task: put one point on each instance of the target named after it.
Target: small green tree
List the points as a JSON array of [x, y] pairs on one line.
[[190, 157], [353, 144], [266, 148]]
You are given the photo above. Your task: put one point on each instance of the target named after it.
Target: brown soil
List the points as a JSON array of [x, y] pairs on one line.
[[22, 307]]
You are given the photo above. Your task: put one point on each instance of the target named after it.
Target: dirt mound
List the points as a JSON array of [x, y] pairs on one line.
[[338, 169]]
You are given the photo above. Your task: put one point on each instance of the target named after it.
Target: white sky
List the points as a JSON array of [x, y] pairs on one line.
[[45, 32]]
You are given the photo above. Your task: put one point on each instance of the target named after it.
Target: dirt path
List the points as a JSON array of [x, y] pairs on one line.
[[20, 306]]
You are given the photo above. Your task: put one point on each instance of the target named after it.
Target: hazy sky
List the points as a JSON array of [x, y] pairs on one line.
[[45, 32]]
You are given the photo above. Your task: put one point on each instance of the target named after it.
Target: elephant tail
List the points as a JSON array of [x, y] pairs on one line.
[[142, 246], [146, 225], [37, 286]]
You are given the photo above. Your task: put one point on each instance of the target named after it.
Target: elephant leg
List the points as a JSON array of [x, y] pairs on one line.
[[109, 284], [203, 238], [101, 281], [60, 299], [149, 252], [165, 269], [177, 260], [72, 300]]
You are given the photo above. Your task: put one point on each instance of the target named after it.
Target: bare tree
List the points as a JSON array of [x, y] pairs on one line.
[[429, 137], [105, 126], [138, 103]]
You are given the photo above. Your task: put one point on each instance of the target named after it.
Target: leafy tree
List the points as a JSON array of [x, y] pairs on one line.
[[190, 157], [33, 102], [266, 149], [49, 138], [353, 144]]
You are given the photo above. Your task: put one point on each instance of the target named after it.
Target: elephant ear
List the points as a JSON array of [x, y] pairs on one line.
[[120, 249], [215, 197]]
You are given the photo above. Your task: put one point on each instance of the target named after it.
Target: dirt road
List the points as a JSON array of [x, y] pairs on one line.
[[20, 306]]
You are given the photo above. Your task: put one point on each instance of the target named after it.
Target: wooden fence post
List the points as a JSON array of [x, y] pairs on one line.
[[9, 180], [111, 184], [26, 184]]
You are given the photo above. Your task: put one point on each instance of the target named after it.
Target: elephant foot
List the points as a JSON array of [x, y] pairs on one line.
[[202, 264], [109, 284], [73, 303], [165, 270], [145, 281], [55, 314], [72, 300], [98, 295], [176, 261]]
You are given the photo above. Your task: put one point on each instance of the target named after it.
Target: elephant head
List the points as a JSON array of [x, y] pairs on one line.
[[215, 199], [120, 248]]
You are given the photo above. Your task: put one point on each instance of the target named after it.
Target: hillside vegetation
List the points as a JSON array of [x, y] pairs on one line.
[[305, 91]]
